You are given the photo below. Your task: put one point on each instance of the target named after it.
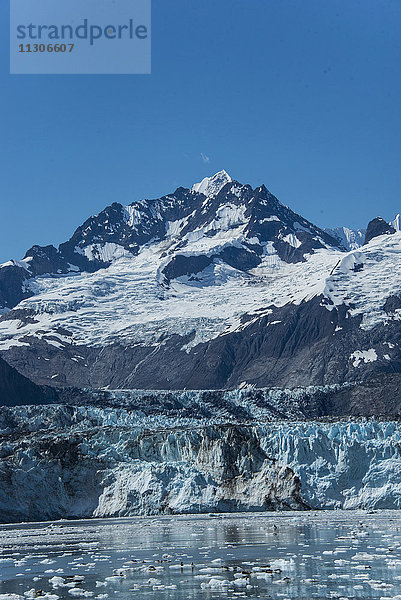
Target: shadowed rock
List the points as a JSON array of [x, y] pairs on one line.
[[376, 227]]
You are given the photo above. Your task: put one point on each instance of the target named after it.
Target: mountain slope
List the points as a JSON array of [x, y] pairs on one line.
[[206, 291]]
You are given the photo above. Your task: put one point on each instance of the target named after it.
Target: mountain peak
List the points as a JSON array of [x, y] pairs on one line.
[[211, 186], [376, 227]]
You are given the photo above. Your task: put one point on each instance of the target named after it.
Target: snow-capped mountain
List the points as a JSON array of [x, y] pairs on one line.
[[214, 215], [217, 286]]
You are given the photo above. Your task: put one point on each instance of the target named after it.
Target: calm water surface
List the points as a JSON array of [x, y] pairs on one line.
[[270, 555]]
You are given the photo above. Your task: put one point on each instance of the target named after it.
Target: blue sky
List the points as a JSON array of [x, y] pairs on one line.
[[303, 96]]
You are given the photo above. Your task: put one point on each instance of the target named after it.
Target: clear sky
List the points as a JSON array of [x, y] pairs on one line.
[[302, 95]]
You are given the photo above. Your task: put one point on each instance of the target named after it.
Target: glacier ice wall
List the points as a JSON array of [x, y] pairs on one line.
[[345, 464], [64, 461]]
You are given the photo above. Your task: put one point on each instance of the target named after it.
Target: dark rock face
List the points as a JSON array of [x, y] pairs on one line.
[[15, 389], [186, 265], [46, 259], [392, 304], [12, 290], [379, 396], [376, 227], [38, 260], [240, 258]]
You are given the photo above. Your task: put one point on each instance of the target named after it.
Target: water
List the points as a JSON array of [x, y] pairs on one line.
[[271, 555]]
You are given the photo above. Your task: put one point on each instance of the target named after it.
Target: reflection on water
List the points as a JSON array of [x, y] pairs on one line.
[[270, 555]]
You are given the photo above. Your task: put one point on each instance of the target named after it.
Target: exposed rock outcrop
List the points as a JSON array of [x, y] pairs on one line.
[[376, 227]]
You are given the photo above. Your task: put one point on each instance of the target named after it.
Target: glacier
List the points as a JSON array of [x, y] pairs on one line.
[[64, 461]]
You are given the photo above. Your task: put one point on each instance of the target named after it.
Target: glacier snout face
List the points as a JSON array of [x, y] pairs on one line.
[[76, 462], [220, 468], [88, 471], [343, 465]]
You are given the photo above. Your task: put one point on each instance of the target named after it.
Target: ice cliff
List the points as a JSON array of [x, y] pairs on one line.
[[64, 461], [345, 464], [75, 462]]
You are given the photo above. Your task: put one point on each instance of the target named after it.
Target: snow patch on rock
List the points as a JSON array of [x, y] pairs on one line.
[[366, 356]]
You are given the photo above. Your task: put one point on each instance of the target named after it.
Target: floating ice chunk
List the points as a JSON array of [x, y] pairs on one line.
[[113, 578], [282, 563], [57, 581], [207, 570], [216, 583], [241, 583]]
